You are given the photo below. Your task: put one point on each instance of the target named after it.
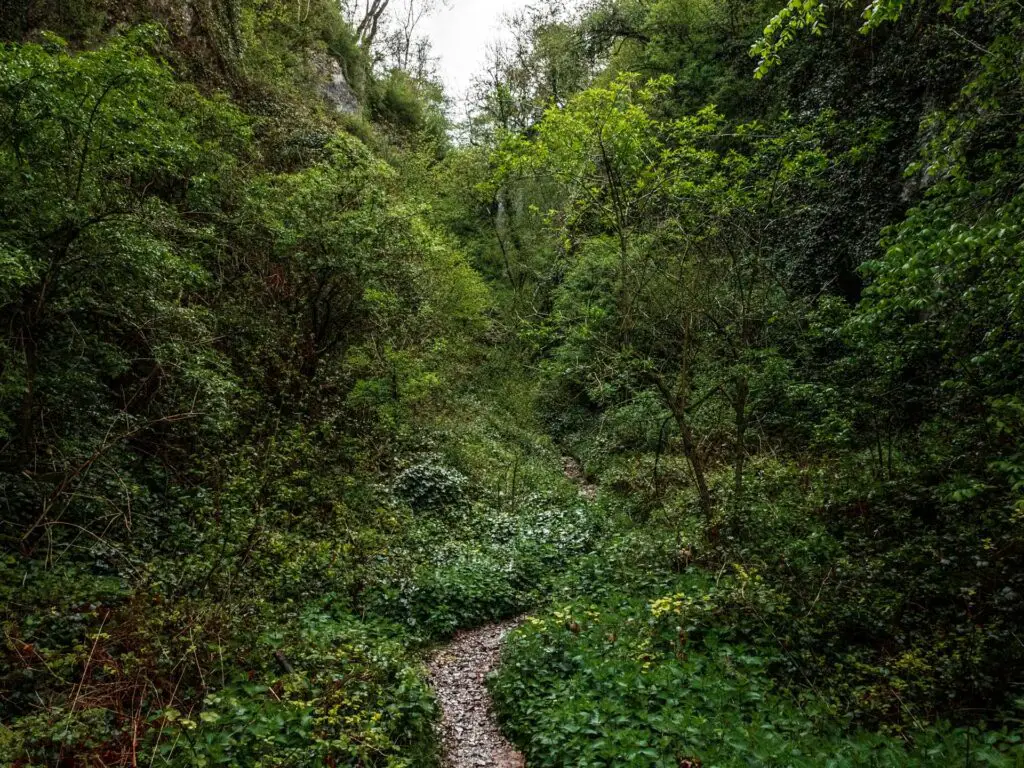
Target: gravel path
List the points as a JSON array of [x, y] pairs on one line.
[[469, 731]]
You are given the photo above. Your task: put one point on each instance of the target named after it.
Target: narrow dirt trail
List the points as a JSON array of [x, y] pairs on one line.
[[469, 730]]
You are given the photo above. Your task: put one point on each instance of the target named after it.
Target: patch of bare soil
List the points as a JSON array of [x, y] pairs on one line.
[[469, 729]]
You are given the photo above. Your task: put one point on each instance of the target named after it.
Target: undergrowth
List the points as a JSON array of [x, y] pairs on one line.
[[662, 648], [310, 654]]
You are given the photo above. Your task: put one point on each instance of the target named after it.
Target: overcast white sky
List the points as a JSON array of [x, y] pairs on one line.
[[461, 33]]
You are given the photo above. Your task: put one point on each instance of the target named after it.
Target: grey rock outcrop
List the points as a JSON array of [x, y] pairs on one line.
[[338, 92]]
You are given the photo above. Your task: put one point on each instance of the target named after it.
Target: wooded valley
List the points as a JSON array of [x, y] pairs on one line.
[[693, 336]]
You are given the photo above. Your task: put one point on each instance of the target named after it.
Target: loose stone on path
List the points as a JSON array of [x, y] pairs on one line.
[[469, 729]]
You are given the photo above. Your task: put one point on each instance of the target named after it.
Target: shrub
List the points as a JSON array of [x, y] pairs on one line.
[[430, 487]]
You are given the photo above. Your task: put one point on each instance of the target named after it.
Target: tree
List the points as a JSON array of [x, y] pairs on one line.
[[542, 64], [92, 246], [665, 225]]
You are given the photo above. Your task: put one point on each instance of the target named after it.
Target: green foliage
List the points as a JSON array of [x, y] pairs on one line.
[[429, 487], [628, 681], [703, 46], [754, 314], [222, 330], [409, 107], [518, 523], [349, 696], [285, 392], [96, 246]]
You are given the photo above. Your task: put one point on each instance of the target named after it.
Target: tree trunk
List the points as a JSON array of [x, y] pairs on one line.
[[696, 463], [676, 404]]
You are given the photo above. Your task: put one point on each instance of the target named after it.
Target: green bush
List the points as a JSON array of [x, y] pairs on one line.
[[332, 691], [430, 487]]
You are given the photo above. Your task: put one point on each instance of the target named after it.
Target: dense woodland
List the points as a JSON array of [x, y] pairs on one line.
[[287, 384]]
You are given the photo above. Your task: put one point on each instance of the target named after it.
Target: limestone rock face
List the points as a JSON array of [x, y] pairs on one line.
[[338, 92]]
